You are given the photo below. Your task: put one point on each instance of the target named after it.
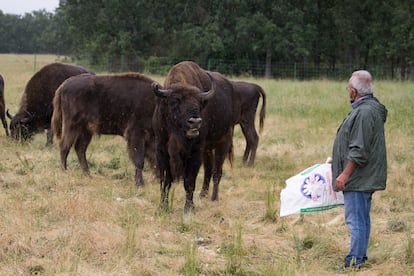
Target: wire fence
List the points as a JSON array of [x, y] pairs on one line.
[[254, 68]]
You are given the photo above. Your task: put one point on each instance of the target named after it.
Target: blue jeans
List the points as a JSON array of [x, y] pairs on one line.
[[357, 217]]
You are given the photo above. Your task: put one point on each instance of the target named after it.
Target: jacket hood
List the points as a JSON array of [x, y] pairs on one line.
[[381, 109], [375, 104]]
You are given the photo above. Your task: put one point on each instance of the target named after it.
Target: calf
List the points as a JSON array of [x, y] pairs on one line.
[[247, 97]]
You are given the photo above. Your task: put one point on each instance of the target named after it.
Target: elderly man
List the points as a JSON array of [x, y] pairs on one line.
[[359, 165]]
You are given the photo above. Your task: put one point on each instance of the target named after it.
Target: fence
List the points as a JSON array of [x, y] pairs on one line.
[[283, 70], [254, 68]]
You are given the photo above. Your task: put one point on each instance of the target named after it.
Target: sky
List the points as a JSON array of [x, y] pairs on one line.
[[20, 7]]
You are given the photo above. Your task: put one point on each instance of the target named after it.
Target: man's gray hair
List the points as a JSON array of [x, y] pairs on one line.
[[362, 81]]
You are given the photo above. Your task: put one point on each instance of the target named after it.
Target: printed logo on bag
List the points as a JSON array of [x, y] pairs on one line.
[[313, 186]]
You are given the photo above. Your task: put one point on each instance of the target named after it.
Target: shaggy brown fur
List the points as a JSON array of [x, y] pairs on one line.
[[35, 111], [245, 105], [123, 104], [191, 130]]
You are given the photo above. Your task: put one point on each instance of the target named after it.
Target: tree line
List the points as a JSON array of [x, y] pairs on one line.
[[334, 35]]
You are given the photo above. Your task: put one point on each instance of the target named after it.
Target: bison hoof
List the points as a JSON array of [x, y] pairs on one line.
[[189, 206], [203, 193], [164, 207], [139, 184]]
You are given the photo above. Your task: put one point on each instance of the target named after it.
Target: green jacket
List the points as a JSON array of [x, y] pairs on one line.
[[360, 138]]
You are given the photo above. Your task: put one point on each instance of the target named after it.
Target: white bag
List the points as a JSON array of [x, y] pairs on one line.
[[310, 191]]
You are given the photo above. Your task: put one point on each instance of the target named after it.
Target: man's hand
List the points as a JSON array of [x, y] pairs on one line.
[[341, 180]]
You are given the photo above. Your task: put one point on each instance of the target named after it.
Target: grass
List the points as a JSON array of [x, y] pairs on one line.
[[54, 222]]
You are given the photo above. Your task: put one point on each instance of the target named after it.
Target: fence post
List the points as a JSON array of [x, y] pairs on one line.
[[122, 63], [209, 64], [294, 71]]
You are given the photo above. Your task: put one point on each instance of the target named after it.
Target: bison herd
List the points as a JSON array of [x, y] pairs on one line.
[[186, 122]]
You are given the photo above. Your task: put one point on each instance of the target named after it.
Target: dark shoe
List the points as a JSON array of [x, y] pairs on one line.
[[353, 267], [359, 266]]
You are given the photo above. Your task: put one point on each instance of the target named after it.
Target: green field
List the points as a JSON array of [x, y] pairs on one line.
[[64, 223]]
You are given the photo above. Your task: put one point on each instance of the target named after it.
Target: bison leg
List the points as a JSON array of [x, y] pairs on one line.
[[65, 144], [217, 173], [165, 190], [252, 140], [81, 145], [189, 185], [164, 174], [49, 137], [3, 120], [150, 153], [191, 170], [221, 151], [208, 172], [136, 151]]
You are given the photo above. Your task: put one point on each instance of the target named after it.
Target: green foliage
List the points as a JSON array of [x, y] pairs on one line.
[[271, 210], [234, 252], [119, 36], [191, 267]]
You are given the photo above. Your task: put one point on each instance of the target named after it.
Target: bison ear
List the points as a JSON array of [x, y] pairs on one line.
[[209, 94], [163, 93]]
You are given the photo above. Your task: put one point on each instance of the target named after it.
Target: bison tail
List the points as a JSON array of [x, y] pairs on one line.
[[262, 110], [57, 114], [230, 153]]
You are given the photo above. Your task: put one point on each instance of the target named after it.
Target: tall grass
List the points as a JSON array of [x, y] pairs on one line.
[[55, 222]]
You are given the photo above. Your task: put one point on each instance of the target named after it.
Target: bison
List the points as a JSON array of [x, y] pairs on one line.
[[245, 105], [120, 104], [35, 111], [3, 106], [193, 125]]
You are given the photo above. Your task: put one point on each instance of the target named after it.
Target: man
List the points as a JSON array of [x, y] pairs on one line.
[[359, 165]]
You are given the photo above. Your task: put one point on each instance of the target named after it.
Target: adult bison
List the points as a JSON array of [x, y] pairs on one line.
[[192, 124], [3, 106], [35, 111], [120, 104], [246, 100]]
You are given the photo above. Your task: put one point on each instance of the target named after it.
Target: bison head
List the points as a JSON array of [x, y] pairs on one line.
[[21, 127], [183, 105]]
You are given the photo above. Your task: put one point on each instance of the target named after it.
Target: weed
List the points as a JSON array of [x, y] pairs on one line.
[[191, 267], [114, 164], [234, 252], [271, 210], [395, 225]]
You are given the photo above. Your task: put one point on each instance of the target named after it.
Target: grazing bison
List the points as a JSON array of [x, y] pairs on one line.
[[245, 105], [3, 106], [120, 104], [35, 111], [192, 127]]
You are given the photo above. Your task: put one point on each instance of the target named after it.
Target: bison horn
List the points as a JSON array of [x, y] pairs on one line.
[[163, 93], [209, 94], [8, 115]]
